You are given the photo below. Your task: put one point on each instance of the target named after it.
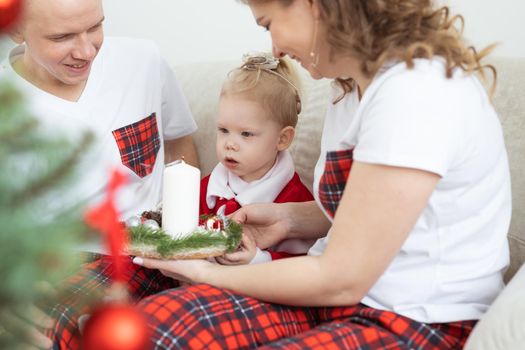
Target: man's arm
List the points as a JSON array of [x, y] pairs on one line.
[[181, 147]]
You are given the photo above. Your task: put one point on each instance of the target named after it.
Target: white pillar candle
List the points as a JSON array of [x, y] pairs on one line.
[[180, 199]]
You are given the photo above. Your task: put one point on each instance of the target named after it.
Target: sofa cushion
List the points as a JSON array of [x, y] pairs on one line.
[[509, 102], [502, 327]]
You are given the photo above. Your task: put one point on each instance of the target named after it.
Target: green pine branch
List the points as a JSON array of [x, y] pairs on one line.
[[35, 249], [54, 176], [166, 246]]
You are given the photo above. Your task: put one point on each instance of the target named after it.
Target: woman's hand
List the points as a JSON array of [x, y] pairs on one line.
[[270, 223], [264, 222], [243, 255], [189, 271]]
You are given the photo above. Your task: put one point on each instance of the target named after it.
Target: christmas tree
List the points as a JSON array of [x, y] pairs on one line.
[[35, 243]]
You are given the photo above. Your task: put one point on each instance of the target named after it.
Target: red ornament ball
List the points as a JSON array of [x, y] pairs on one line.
[[10, 11], [116, 327]]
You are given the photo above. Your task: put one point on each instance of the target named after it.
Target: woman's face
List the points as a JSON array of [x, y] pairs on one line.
[[296, 32]]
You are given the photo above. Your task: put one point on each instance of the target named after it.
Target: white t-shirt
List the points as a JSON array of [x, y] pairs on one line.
[[451, 265], [130, 90]]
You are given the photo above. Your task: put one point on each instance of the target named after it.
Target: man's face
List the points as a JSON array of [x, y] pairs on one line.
[[62, 39]]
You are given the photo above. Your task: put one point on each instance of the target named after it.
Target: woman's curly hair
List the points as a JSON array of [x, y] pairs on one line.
[[376, 31]]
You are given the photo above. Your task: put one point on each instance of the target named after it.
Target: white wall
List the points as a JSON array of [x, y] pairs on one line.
[[203, 30], [493, 21], [188, 30]]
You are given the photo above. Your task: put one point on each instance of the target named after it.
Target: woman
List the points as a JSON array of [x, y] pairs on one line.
[[417, 242], [417, 233]]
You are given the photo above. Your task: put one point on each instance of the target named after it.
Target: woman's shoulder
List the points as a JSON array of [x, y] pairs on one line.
[[424, 73], [426, 84]]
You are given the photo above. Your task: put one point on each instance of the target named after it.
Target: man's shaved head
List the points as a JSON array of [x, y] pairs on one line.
[[52, 11]]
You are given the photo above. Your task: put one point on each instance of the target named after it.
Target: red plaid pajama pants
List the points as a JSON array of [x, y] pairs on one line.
[[89, 285], [205, 317]]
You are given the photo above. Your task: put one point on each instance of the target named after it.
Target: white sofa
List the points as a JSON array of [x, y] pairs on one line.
[[503, 327]]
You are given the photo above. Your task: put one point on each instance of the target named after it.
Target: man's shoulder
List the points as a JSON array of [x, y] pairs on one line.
[[131, 48], [5, 66]]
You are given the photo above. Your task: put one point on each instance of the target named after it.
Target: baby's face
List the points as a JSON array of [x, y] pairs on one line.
[[247, 137]]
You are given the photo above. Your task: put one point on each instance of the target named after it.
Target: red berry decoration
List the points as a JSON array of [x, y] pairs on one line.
[[10, 11], [215, 224], [116, 327], [218, 225]]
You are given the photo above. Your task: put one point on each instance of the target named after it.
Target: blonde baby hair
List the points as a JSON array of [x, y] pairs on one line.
[[270, 81]]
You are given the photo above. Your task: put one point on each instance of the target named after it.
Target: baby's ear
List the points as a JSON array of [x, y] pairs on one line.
[[285, 138]]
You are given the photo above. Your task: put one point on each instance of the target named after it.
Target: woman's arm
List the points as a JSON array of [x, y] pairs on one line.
[[379, 207]]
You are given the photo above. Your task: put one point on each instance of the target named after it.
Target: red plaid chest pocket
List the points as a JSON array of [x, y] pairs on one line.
[[139, 144], [333, 180]]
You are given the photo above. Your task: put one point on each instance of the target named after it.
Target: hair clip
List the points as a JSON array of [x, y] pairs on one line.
[[259, 60]]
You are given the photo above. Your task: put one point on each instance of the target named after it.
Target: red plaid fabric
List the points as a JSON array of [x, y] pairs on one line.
[[138, 144], [333, 181], [89, 284], [204, 317]]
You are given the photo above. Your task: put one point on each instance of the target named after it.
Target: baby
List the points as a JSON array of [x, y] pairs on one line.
[[258, 110]]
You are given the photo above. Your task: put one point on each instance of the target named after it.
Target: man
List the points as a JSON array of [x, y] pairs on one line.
[[120, 90]]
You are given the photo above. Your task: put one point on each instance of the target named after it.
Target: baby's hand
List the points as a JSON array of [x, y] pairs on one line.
[[244, 253]]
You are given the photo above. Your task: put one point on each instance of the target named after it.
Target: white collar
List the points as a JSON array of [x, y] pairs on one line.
[[225, 184]]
